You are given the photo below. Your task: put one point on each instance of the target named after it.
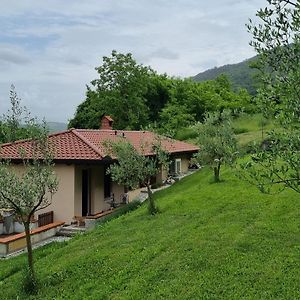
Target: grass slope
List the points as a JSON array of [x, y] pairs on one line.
[[252, 128], [210, 241]]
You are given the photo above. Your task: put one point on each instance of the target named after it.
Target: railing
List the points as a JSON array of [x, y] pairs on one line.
[[45, 218]]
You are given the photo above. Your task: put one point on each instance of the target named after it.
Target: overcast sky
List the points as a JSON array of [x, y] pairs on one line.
[[49, 48]]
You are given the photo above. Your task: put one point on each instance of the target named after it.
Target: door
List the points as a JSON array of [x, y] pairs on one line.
[[86, 193]]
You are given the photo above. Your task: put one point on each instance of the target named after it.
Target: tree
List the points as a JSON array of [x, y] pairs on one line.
[[119, 91], [133, 168], [217, 142], [11, 126], [174, 117], [30, 190], [277, 41]]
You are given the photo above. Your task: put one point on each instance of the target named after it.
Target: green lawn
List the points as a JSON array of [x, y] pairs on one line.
[[210, 241], [250, 128]]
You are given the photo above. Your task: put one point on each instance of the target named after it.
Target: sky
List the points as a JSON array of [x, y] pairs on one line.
[[49, 49]]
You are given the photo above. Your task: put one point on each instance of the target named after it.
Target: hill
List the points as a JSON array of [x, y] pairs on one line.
[[241, 75], [210, 241], [56, 126]]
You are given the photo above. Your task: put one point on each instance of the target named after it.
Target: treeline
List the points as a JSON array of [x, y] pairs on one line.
[[242, 75], [137, 97]]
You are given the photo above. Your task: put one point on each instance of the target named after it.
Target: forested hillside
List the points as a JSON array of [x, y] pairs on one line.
[[240, 74]]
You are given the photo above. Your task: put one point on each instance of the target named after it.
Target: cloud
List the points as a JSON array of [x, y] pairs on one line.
[[12, 55], [49, 48]]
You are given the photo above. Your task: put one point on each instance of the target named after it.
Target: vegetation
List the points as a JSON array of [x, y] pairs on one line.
[[276, 39], [213, 241], [137, 97], [28, 191], [134, 169], [217, 142], [242, 75]]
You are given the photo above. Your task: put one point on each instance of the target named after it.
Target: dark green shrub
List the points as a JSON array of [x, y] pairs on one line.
[[240, 130], [186, 133]]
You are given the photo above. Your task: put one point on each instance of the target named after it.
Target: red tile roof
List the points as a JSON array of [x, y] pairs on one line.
[[86, 144]]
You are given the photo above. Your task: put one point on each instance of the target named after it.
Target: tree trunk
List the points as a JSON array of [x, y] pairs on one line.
[[217, 172], [152, 207], [29, 251]]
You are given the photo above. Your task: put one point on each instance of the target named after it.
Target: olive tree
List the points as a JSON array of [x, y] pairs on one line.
[[134, 168], [28, 188], [217, 142], [276, 39]]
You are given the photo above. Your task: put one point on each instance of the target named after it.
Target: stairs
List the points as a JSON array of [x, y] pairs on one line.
[[70, 231]]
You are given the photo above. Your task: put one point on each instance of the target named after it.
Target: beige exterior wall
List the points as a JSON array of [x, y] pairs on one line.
[[185, 162], [118, 191], [63, 200], [162, 176]]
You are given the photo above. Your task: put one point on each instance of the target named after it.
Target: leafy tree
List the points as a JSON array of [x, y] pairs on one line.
[[137, 97], [11, 126], [30, 190], [277, 41], [134, 168], [119, 91], [173, 117], [217, 142]]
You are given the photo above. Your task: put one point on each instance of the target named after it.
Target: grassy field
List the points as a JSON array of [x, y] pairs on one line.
[[248, 129], [210, 241]]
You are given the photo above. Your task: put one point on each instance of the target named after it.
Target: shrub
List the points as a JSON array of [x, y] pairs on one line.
[[186, 133], [240, 130]]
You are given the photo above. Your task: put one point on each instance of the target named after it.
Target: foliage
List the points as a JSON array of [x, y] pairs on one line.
[[28, 190], [217, 142], [225, 241], [278, 166], [277, 41], [119, 91], [133, 168], [18, 124], [137, 97], [173, 117]]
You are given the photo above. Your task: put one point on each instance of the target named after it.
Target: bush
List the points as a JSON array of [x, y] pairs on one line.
[[240, 130], [186, 133]]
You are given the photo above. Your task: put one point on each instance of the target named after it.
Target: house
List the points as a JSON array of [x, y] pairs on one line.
[[81, 162]]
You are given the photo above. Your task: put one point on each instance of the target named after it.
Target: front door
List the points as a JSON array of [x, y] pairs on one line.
[[86, 193]]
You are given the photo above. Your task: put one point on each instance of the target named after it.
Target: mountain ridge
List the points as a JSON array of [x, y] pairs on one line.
[[240, 74]]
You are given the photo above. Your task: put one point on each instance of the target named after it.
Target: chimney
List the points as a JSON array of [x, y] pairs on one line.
[[106, 123]]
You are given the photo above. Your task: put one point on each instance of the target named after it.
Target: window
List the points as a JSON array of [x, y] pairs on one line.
[[175, 166], [178, 166]]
